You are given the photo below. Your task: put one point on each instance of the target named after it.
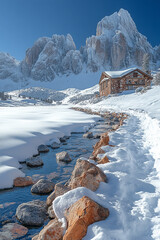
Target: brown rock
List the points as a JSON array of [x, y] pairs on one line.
[[86, 174], [104, 140], [88, 135], [35, 237], [23, 181], [59, 190], [80, 215], [121, 122], [115, 126], [52, 231], [51, 212], [50, 198], [13, 231], [103, 160], [99, 151]]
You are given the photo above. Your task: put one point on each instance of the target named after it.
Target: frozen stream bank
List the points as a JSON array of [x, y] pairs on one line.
[[22, 129]]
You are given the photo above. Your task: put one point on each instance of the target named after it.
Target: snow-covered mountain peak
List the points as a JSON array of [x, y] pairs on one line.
[[117, 21]]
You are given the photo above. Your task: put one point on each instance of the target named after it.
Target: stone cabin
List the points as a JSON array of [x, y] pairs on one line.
[[118, 81]]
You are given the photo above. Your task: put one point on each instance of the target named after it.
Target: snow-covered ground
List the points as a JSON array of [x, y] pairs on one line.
[[81, 81], [22, 129], [133, 190]]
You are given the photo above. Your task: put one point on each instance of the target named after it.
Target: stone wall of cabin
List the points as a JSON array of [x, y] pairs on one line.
[[117, 85], [105, 88]]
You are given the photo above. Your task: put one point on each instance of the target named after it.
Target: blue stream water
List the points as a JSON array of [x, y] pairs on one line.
[[76, 146]]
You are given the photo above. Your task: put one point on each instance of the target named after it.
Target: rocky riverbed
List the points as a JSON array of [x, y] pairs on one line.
[[59, 173]]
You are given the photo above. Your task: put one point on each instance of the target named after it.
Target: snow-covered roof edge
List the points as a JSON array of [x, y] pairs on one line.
[[118, 74]]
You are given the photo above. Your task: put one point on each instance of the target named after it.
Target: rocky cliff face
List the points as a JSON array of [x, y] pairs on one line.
[[116, 45], [9, 67], [50, 57]]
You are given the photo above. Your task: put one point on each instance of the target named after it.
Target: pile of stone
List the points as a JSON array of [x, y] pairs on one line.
[[83, 212]]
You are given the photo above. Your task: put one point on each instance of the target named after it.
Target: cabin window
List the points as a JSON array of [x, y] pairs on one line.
[[135, 74], [142, 81]]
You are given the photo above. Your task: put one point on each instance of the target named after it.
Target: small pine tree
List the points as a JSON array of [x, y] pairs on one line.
[[145, 63], [156, 79]]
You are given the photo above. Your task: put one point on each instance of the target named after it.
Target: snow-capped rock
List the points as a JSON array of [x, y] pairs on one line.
[[44, 60], [9, 67], [117, 43], [32, 55], [72, 62]]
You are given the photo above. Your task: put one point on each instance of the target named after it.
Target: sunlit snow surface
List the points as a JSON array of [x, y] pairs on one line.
[[22, 129], [133, 190]]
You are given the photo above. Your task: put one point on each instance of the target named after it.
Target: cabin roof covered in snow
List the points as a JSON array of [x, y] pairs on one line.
[[117, 74]]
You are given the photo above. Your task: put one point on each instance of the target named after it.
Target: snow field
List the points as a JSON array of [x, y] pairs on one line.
[[22, 129]]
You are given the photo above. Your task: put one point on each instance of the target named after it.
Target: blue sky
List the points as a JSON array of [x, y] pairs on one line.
[[22, 22]]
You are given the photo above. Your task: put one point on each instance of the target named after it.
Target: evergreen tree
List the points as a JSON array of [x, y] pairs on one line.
[[145, 63]]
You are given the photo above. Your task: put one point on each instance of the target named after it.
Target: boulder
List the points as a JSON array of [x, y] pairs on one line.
[[88, 135], [80, 215], [104, 140], [34, 161], [36, 154], [22, 181], [32, 213], [99, 151], [12, 231], [63, 157], [50, 198], [98, 135], [86, 174], [52, 231], [103, 160], [59, 190], [62, 139], [55, 145], [51, 212], [43, 148], [35, 237], [42, 187], [115, 126]]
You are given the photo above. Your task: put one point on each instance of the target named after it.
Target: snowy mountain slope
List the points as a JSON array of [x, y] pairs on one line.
[[68, 96], [54, 62], [118, 43], [40, 93]]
